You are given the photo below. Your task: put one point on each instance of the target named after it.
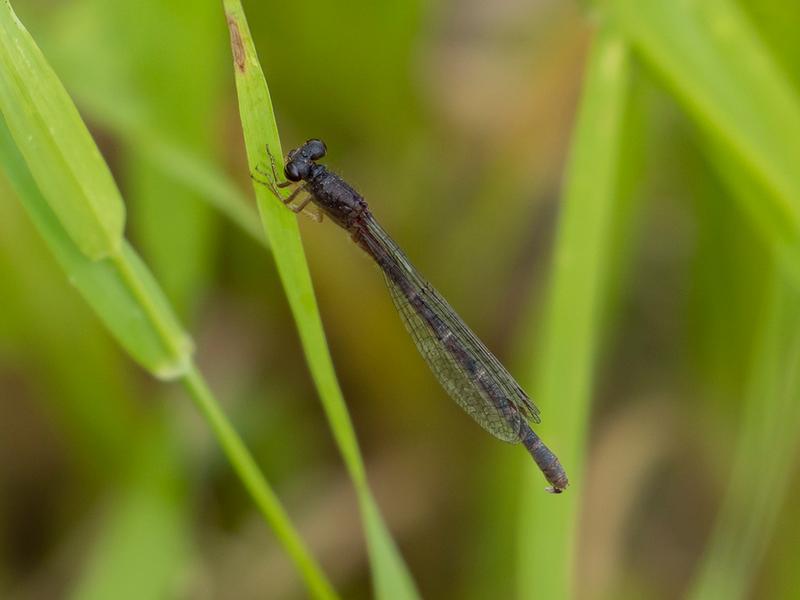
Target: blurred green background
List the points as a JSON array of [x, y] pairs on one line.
[[458, 122]]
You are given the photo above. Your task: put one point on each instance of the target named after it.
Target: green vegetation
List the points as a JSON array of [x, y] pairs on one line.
[[654, 319]]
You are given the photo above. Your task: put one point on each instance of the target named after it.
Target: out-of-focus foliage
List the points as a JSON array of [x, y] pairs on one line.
[[666, 372], [67, 191]]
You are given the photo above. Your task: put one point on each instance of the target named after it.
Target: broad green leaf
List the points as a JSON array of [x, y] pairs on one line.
[[62, 156], [391, 576], [120, 288]]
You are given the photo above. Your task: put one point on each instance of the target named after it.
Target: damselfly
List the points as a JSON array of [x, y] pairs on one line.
[[467, 370]]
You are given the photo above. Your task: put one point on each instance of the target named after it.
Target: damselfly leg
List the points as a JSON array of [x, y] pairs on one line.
[[273, 183]]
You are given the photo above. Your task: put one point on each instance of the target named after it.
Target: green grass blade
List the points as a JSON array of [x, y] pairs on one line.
[[720, 71], [764, 458], [61, 155], [391, 576], [580, 282]]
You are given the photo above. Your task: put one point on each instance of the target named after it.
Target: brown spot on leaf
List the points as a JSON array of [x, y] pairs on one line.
[[236, 43]]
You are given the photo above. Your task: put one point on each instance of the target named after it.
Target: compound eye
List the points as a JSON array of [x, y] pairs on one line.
[[292, 173], [316, 149]]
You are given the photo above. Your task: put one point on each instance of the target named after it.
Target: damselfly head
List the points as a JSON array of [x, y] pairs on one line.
[[300, 160]]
